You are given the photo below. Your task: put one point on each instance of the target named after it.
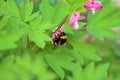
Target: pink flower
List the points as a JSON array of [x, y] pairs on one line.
[[74, 20], [93, 5], [57, 32]]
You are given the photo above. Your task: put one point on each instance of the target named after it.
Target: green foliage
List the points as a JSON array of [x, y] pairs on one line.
[[24, 68], [39, 41], [101, 23], [27, 52], [13, 9], [60, 62], [9, 33], [45, 13], [98, 71]]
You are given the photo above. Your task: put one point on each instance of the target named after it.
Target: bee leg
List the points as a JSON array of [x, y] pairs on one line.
[[55, 47]]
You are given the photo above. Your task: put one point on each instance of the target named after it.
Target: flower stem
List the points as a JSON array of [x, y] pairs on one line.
[[27, 42]]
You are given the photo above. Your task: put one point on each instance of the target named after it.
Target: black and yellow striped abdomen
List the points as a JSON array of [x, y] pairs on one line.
[[60, 40]]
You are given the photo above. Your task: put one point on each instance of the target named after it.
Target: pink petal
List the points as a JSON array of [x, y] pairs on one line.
[[93, 4], [72, 21], [88, 4], [97, 5], [57, 32], [74, 18], [77, 15]]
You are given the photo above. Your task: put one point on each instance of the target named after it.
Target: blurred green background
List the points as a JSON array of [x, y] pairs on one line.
[[26, 51]]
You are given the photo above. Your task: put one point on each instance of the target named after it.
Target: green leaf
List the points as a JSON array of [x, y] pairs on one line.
[[89, 53], [2, 7], [24, 68], [7, 41], [100, 33], [101, 72], [60, 11], [60, 59], [63, 61], [89, 70], [75, 5], [96, 33], [52, 1], [26, 8], [76, 73], [46, 9], [77, 35], [20, 23], [36, 22], [18, 1], [31, 17], [86, 51], [81, 24], [13, 9], [110, 33], [39, 38], [99, 24], [51, 60], [3, 21]]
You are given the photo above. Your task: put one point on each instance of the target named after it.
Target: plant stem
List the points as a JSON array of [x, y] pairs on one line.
[[27, 42]]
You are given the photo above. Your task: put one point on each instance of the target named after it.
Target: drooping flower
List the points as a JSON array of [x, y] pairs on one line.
[[93, 5], [74, 20]]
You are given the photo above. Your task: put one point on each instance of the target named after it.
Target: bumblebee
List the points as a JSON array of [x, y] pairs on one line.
[[60, 40], [58, 36]]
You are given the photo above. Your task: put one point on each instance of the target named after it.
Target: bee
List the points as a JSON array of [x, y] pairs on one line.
[[58, 36], [60, 40]]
